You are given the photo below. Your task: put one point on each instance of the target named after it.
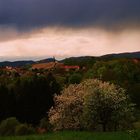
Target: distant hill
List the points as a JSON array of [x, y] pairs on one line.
[[48, 60], [23, 63], [81, 61], [89, 60], [16, 63], [121, 55]]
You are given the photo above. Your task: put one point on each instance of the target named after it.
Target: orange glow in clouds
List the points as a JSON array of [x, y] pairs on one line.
[[65, 42]]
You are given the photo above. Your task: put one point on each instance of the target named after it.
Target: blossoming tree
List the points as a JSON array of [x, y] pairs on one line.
[[90, 104]]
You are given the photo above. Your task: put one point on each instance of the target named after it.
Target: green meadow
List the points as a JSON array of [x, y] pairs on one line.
[[73, 135]]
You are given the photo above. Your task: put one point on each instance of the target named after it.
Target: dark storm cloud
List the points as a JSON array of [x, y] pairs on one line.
[[26, 14]]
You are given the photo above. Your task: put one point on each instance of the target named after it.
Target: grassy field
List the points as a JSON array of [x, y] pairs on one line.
[[72, 135]]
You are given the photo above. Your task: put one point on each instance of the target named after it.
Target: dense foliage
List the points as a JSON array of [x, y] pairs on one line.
[[8, 126], [123, 72], [28, 98], [27, 94], [89, 105], [11, 126], [87, 61]]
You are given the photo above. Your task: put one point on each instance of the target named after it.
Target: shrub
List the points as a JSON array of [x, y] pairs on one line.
[[24, 129], [45, 124], [8, 126], [136, 125]]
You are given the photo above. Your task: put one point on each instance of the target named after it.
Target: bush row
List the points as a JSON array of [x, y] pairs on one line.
[[11, 126]]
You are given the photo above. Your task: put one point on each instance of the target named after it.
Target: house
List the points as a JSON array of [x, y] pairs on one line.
[[67, 68], [49, 65], [53, 65]]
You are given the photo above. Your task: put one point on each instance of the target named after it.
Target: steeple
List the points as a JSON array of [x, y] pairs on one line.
[[54, 59]]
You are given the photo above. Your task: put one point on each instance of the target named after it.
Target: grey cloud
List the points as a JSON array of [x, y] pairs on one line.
[[28, 14]]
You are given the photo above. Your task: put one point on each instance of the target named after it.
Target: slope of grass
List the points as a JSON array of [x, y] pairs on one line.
[[72, 135]]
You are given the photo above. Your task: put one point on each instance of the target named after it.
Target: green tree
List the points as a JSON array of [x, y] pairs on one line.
[[106, 105], [75, 78], [6, 102], [34, 97], [89, 74]]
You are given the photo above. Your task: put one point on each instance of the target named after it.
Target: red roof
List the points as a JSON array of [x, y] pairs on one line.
[[71, 67]]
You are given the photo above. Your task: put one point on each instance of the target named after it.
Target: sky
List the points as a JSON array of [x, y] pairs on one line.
[[36, 29]]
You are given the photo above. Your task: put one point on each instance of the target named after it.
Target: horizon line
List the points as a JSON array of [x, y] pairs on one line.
[[14, 59]]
